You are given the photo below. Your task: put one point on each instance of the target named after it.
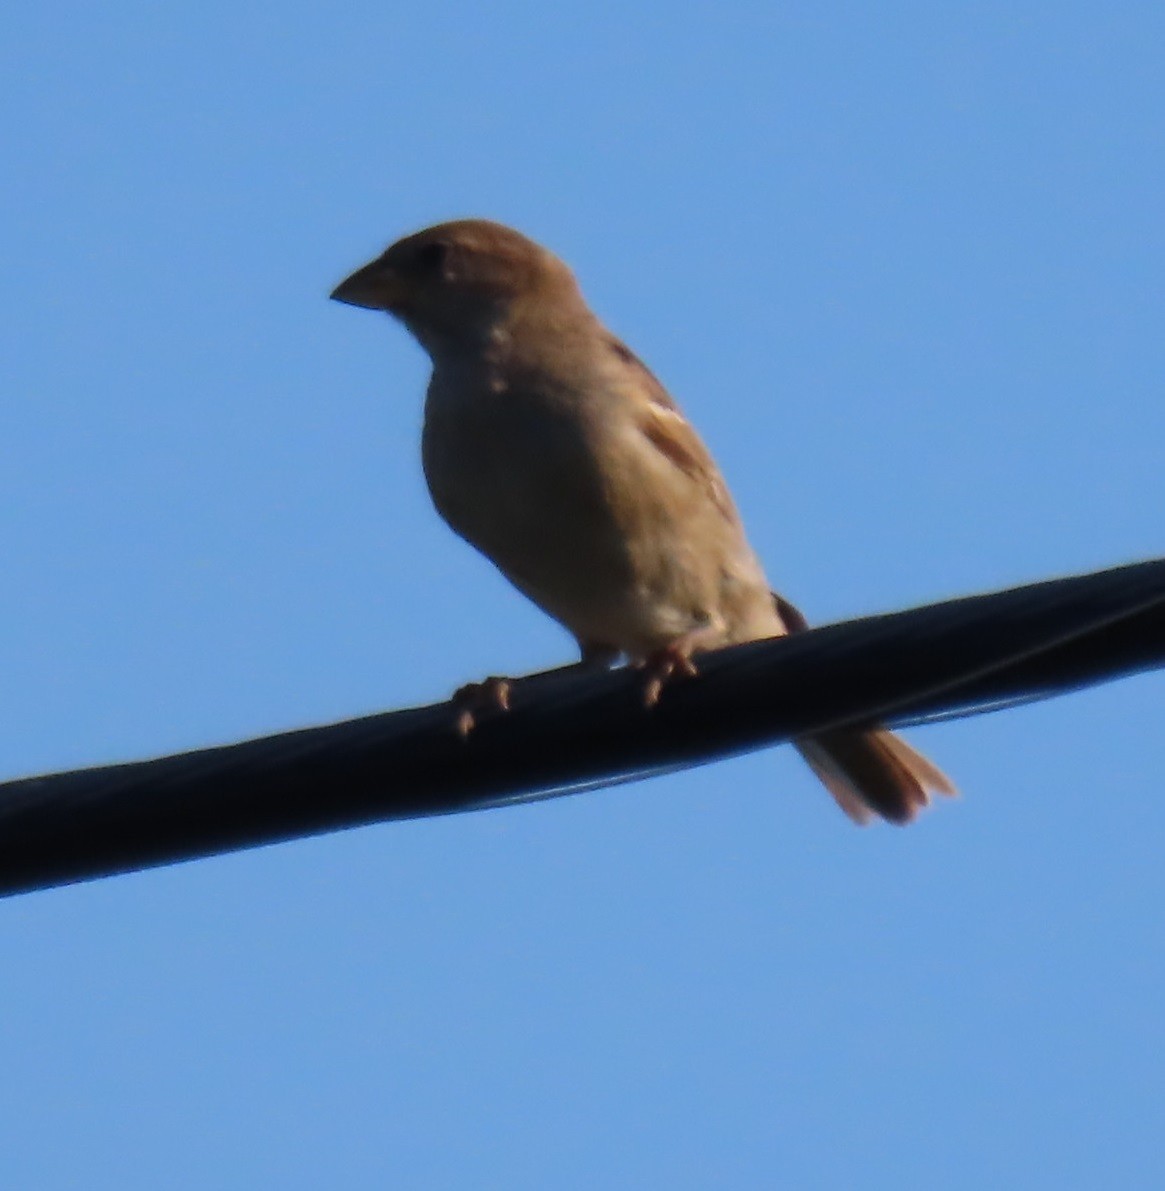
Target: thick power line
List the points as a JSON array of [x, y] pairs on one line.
[[569, 731]]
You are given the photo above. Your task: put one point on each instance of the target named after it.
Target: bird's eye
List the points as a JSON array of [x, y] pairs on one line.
[[432, 256]]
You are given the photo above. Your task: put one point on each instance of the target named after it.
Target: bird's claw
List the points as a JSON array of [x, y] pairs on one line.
[[664, 666], [479, 698]]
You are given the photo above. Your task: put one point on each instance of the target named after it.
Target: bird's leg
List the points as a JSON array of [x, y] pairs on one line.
[[493, 695], [673, 661]]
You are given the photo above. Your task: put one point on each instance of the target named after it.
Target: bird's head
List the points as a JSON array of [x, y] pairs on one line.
[[454, 285]]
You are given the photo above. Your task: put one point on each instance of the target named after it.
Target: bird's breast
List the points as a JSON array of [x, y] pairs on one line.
[[500, 465], [583, 514], [518, 476]]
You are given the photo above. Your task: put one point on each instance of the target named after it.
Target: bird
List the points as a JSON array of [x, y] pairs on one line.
[[549, 446]]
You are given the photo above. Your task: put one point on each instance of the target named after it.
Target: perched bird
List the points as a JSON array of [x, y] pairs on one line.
[[550, 447]]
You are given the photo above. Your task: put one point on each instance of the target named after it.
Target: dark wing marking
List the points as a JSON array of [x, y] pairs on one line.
[[666, 428]]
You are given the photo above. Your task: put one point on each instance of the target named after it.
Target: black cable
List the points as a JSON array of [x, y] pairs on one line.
[[569, 731]]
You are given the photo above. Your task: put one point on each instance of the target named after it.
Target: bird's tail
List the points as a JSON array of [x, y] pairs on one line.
[[874, 773]]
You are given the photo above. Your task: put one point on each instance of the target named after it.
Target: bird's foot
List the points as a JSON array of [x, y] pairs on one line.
[[674, 660], [476, 699], [664, 666]]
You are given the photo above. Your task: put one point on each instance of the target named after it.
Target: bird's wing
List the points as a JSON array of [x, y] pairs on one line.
[[663, 424]]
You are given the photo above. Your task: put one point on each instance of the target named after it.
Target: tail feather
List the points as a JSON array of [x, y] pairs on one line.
[[868, 773], [874, 773]]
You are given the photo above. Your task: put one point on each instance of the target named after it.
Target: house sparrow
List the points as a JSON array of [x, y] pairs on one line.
[[550, 447]]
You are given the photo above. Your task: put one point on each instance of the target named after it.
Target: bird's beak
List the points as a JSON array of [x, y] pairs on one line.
[[375, 287]]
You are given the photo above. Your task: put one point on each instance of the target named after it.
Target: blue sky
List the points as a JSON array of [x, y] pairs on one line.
[[902, 264]]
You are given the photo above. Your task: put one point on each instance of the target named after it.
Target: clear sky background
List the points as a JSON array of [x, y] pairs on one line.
[[902, 264]]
